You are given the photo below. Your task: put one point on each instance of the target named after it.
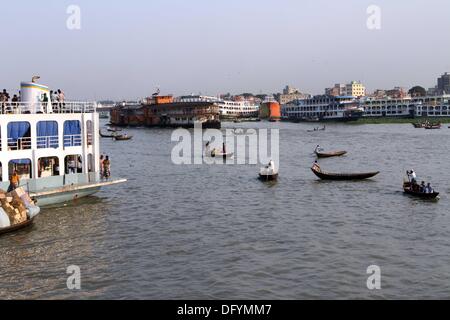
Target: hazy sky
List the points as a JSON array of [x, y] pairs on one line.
[[126, 48]]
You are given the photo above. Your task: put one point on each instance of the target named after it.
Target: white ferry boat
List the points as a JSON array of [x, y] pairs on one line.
[[53, 147], [428, 106], [228, 109], [322, 108]]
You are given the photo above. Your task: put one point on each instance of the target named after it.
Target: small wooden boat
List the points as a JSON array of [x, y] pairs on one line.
[[122, 138], [317, 129], [266, 174], [407, 188], [268, 177], [342, 176], [226, 155], [330, 154], [107, 135], [433, 126], [16, 227]]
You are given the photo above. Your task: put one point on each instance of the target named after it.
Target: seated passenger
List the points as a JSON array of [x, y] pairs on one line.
[[316, 166], [429, 189], [422, 187]]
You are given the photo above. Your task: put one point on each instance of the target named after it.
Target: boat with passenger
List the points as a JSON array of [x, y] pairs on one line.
[[414, 190], [269, 172], [53, 146], [423, 190]]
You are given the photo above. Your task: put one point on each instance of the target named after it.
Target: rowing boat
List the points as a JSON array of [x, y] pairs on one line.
[[268, 174], [330, 154], [342, 176], [16, 227], [268, 177], [122, 138], [226, 155], [107, 135], [408, 190]]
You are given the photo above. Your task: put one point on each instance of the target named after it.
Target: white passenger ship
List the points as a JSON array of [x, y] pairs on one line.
[[53, 147], [428, 106], [322, 108], [228, 109]]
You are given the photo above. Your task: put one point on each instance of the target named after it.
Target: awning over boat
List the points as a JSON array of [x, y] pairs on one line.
[[20, 161], [18, 130]]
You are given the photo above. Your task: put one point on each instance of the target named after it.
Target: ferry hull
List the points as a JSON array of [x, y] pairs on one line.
[[70, 193], [68, 196]]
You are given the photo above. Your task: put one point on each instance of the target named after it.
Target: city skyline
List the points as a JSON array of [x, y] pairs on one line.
[[126, 51]]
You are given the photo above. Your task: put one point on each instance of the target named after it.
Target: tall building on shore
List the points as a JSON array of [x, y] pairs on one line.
[[290, 94], [443, 83], [442, 87], [354, 88]]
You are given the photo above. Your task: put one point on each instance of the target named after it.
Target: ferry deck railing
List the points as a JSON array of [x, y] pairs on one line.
[[45, 107], [47, 142], [23, 143], [73, 140]]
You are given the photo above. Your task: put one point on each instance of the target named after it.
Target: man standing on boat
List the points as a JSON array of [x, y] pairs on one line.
[[14, 181]]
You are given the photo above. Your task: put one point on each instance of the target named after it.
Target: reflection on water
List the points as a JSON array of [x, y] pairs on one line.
[[218, 232]]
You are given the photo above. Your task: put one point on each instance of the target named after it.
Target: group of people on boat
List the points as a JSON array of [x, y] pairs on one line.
[[105, 167], [415, 186], [57, 99], [6, 100]]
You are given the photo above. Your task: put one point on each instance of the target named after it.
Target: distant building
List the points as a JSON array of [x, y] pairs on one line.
[[339, 89], [354, 88], [396, 93], [443, 83], [443, 86], [290, 94], [290, 90]]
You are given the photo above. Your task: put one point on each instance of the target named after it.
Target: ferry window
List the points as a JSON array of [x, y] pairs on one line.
[[22, 167], [47, 134], [48, 167], [73, 164], [89, 132], [19, 136], [72, 133]]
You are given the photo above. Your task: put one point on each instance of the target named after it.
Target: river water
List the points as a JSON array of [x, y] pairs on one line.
[[216, 232]]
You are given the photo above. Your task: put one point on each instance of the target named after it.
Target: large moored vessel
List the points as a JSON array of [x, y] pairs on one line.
[[54, 147], [322, 108], [229, 109]]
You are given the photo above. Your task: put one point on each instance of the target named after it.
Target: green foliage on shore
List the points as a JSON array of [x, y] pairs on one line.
[[387, 120]]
